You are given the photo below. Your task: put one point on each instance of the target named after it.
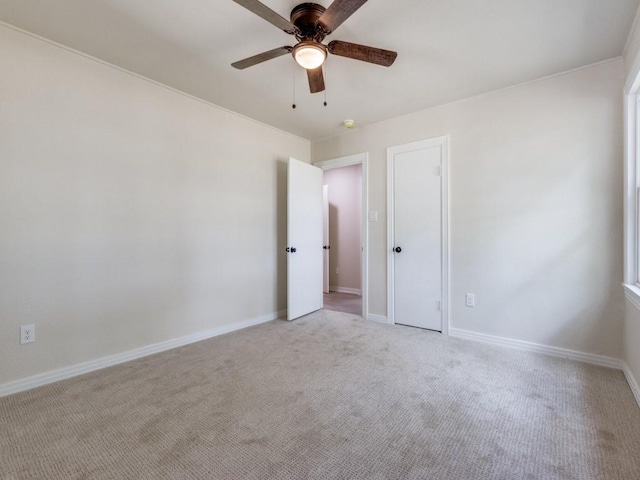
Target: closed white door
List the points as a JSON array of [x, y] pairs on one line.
[[304, 239], [415, 235]]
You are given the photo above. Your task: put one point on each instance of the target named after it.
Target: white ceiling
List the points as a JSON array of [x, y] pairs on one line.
[[447, 50]]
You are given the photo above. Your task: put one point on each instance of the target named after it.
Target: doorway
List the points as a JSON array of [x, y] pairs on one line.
[[418, 231], [346, 243]]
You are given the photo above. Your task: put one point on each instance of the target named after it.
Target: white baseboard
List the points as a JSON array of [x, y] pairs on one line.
[[353, 291], [591, 358], [632, 382], [90, 366], [377, 318]]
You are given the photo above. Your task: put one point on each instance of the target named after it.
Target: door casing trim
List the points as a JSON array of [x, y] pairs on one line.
[[362, 159]]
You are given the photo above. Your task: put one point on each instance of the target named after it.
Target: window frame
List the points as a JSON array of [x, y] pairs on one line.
[[631, 281]]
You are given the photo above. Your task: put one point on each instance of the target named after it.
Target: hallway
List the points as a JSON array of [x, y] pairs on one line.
[[343, 302]]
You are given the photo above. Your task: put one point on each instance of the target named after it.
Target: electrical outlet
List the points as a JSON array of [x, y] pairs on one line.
[[470, 300], [27, 334]]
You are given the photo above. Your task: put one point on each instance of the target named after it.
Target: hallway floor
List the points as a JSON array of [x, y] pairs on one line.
[[343, 302]]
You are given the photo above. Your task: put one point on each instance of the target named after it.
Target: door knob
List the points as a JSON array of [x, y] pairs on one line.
[[398, 249], [292, 249], [326, 247]]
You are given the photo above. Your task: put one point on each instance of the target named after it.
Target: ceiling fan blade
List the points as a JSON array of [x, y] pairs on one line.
[[338, 12], [261, 57], [269, 15], [316, 80], [363, 53]]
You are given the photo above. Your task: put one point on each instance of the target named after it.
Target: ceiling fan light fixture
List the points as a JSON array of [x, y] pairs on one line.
[[309, 55]]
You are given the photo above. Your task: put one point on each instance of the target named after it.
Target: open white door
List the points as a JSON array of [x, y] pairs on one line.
[[304, 239], [325, 237]]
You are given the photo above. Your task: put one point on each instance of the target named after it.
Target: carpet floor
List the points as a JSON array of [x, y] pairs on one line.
[[329, 396]]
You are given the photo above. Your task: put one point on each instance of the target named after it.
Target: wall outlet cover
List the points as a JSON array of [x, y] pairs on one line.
[[27, 334]]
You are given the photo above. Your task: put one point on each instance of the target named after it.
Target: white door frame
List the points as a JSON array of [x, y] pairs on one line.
[[358, 159], [442, 142]]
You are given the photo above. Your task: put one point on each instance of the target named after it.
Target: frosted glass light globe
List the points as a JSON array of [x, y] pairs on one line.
[[309, 55]]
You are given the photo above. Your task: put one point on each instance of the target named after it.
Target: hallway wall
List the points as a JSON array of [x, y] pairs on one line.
[[345, 199]]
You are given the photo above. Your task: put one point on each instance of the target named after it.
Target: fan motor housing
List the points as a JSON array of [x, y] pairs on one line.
[[305, 17]]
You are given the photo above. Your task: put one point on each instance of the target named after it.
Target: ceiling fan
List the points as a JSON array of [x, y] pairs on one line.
[[310, 24]]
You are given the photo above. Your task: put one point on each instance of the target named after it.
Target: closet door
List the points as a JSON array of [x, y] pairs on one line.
[[415, 235]]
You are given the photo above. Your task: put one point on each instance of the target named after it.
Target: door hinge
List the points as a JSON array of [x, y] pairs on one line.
[[438, 171], [438, 305]]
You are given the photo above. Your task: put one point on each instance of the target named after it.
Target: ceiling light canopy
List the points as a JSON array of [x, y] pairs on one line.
[[309, 54]]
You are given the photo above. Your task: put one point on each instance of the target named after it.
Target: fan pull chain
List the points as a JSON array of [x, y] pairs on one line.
[[325, 88], [293, 105]]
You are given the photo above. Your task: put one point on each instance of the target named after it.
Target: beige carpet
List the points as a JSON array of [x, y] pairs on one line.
[[329, 396]]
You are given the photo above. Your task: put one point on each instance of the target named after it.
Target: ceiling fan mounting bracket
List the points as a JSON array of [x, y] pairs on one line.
[[305, 18]]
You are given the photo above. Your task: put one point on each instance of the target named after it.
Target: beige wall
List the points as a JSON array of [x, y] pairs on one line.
[[536, 207], [130, 214], [345, 197]]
